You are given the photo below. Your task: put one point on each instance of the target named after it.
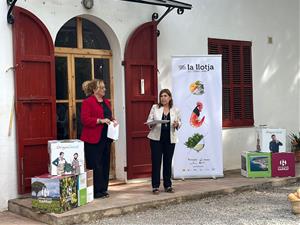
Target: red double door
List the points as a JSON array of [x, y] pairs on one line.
[[35, 96]]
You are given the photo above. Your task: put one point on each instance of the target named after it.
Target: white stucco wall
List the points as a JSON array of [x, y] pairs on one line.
[[275, 66], [8, 165]]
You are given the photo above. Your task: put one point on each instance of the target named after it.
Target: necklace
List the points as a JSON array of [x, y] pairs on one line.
[[165, 117]]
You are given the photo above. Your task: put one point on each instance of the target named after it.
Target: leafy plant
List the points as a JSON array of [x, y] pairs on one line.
[[295, 141], [193, 141]]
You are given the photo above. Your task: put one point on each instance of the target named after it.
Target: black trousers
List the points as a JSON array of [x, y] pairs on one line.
[[97, 158], [161, 150]]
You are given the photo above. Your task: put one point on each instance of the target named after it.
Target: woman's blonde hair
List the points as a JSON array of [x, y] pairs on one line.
[[89, 86]]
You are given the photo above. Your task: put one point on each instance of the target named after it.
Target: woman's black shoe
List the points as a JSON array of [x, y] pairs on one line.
[[106, 194], [155, 191], [101, 195], [169, 190]]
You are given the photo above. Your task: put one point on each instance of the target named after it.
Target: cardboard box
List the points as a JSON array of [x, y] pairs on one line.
[[82, 180], [90, 185], [271, 140], [90, 177], [283, 164], [256, 164], [82, 196], [81, 189], [66, 157], [54, 193], [85, 187], [90, 193]]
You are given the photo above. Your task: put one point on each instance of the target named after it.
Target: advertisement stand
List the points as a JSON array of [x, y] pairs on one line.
[[197, 92]]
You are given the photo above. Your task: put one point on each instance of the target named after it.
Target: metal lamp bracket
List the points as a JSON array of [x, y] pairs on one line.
[[180, 11], [10, 17]]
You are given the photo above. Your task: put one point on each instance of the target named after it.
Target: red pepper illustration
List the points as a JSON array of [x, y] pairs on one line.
[[195, 120]]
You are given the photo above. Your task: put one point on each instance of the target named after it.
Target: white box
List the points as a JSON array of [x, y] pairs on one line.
[[82, 181], [63, 155], [271, 140], [90, 193], [85, 187]]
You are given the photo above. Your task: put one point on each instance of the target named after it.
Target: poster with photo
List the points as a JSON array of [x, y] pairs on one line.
[[272, 140], [197, 92], [66, 157]]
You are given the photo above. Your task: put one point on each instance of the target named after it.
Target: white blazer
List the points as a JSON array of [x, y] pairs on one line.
[[156, 113]]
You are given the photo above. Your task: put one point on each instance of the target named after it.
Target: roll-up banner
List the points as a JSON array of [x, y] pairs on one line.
[[197, 92]]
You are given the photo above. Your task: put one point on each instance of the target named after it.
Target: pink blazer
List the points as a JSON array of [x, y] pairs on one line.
[[90, 112]]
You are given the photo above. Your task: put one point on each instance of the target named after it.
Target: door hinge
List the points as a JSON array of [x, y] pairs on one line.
[[125, 168], [22, 175]]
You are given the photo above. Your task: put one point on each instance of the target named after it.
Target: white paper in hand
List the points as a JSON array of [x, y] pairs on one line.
[[156, 122], [113, 131]]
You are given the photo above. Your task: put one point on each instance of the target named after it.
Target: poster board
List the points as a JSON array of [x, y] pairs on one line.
[[197, 92]]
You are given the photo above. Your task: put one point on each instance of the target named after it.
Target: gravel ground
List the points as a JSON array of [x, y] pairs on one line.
[[260, 207]]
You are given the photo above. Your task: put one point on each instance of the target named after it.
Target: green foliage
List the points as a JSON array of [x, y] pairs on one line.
[[194, 140], [295, 140], [49, 206], [68, 193], [37, 186]]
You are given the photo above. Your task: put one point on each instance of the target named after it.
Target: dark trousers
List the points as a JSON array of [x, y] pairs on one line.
[[97, 158], [161, 150]]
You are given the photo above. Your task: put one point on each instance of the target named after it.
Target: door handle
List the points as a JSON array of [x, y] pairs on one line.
[[142, 86]]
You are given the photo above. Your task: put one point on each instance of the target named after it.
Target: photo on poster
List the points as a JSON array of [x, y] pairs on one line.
[[272, 140], [258, 163], [66, 157]]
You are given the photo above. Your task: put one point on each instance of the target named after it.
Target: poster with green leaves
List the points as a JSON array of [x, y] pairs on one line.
[[54, 193]]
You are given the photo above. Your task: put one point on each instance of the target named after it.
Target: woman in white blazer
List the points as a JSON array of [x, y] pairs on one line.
[[163, 139]]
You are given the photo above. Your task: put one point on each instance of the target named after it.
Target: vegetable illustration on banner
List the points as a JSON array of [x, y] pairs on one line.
[[195, 143], [197, 88]]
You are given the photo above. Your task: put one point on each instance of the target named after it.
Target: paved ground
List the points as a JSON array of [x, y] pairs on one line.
[[136, 197], [8, 218], [260, 207]]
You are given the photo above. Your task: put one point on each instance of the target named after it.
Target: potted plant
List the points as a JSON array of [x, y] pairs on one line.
[[295, 141]]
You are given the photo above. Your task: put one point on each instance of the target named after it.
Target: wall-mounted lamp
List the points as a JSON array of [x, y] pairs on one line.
[[9, 2], [88, 4]]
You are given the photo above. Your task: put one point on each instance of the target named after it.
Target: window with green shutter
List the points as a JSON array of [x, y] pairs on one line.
[[237, 86]]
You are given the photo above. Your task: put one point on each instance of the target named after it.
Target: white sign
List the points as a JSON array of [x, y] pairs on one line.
[[272, 140], [197, 92], [113, 131], [66, 157]]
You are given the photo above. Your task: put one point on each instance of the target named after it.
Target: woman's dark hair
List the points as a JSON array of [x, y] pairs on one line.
[[168, 92], [61, 153], [89, 86]]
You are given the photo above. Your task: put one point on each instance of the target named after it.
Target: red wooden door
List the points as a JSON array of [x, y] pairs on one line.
[[34, 95], [141, 93]]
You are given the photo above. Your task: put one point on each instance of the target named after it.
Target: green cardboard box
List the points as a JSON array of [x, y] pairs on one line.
[[82, 196], [256, 164], [85, 187], [81, 189]]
